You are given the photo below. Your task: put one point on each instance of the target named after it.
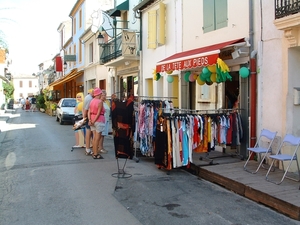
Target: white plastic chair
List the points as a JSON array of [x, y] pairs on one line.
[[267, 137], [289, 140]]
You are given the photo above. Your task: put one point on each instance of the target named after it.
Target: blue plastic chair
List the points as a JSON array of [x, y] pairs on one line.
[[266, 138], [293, 142]]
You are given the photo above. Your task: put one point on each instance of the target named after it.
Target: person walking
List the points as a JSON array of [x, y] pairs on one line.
[[88, 133], [33, 104], [96, 121], [23, 103], [27, 105], [106, 106]]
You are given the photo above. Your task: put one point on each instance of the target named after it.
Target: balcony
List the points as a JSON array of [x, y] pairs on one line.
[[285, 8], [111, 50], [287, 19], [123, 48]]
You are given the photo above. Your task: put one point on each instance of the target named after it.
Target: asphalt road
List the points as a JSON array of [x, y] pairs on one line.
[[43, 182]]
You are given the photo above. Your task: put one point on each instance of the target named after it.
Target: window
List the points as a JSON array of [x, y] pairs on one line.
[[214, 15], [156, 27], [205, 93], [80, 18], [102, 84], [80, 52], [21, 84], [91, 53], [30, 83], [74, 49], [74, 25], [70, 52]]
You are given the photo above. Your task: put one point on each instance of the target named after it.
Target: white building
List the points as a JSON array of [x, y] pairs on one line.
[[25, 86], [182, 38]]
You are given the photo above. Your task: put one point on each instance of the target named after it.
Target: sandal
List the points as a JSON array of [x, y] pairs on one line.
[[97, 157], [88, 152]]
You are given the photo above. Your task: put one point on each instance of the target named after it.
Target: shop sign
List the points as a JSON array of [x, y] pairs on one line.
[[70, 58], [186, 64]]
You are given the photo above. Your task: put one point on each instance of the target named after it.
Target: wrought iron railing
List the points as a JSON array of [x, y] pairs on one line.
[[285, 8], [111, 49]]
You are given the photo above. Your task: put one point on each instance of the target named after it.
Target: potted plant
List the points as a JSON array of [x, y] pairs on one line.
[[53, 107], [41, 102]]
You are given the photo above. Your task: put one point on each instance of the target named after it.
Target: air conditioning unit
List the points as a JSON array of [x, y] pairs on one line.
[[235, 54], [243, 51]]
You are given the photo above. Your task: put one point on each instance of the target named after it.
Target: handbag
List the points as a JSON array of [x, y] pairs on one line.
[[77, 118]]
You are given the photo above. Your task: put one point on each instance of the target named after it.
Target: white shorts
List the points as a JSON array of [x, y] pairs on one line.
[[98, 127], [105, 132]]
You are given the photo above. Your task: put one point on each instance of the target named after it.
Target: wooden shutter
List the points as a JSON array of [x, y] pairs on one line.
[[162, 22], [152, 29], [221, 13], [208, 15]]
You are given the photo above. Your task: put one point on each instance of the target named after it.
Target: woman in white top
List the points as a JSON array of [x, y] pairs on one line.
[[106, 105]]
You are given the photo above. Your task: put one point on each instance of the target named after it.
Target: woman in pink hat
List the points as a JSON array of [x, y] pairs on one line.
[[96, 120]]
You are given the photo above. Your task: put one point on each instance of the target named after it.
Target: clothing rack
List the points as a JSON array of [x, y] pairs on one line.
[[224, 154], [206, 111], [156, 97], [210, 112], [145, 99]]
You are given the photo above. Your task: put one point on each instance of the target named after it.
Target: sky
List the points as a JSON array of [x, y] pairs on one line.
[[30, 29]]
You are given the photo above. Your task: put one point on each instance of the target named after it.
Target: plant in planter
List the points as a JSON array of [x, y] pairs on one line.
[[41, 102], [47, 107], [53, 107]]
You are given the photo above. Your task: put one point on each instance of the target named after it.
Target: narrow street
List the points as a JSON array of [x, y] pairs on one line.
[[43, 182]]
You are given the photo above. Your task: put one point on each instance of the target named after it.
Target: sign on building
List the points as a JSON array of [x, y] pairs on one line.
[[70, 58]]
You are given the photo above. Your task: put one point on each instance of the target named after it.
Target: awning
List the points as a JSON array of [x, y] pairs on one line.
[[71, 76], [199, 57], [117, 10]]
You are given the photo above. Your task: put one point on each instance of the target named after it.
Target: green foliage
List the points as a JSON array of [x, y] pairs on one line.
[[53, 105], [40, 101], [8, 89]]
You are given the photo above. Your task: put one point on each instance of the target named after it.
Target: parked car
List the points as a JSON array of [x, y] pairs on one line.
[[65, 110]]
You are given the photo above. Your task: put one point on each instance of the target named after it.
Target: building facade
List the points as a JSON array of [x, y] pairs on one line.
[[178, 46], [25, 86]]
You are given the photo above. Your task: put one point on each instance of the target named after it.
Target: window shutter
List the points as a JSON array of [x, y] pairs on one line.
[[162, 22], [221, 14], [152, 29], [208, 16]]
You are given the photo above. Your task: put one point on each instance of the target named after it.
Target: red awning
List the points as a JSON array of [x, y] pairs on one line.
[[198, 57]]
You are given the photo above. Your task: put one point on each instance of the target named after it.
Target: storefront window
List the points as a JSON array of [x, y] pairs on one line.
[[205, 95]]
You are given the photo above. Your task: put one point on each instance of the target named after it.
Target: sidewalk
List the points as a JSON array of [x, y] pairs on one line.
[[5, 115]]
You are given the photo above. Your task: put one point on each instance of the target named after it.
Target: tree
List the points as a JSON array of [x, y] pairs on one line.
[[3, 41], [8, 89]]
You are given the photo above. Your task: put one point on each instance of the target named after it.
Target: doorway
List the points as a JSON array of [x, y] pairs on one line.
[[128, 86], [232, 91]]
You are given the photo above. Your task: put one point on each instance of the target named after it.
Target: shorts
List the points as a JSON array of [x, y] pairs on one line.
[[105, 132], [98, 127]]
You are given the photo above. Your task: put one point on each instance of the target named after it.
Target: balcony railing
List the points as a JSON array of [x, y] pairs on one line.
[[111, 50], [285, 8]]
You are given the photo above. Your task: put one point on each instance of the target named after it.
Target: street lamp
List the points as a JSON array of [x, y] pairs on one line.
[[100, 39], [65, 65]]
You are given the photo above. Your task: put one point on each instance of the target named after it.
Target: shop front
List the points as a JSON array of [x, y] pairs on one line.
[[211, 80], [67, 86]]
